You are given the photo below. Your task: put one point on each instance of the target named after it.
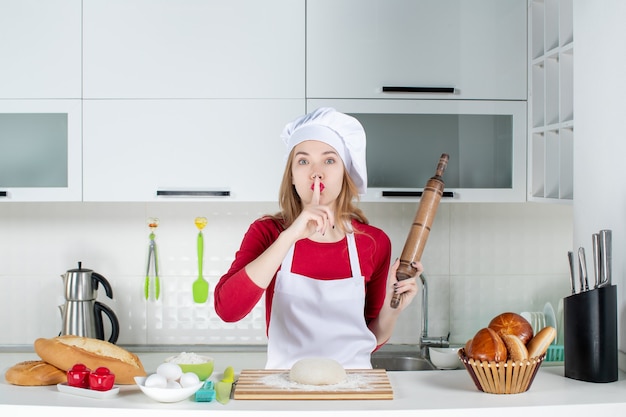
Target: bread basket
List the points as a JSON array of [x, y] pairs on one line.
[[508, 377]]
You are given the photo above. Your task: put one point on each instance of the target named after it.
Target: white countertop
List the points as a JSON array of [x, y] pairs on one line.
[[432, 393]]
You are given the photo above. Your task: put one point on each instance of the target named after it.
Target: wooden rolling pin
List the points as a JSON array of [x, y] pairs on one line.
[[420, 229]]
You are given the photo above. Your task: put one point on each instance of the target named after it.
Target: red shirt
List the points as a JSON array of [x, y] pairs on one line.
[[236, 295]]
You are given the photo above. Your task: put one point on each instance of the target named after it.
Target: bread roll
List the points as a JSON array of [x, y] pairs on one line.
[[487, 346], [516, 349], [34, 373], [65, 351], [512, 323], [539, 344]]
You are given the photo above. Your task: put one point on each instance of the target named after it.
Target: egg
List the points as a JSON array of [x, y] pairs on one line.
[[155, 381], [170, 371], [189, 379], [173, 385]]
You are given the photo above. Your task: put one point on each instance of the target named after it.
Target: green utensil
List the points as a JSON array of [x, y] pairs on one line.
[[200, 285]]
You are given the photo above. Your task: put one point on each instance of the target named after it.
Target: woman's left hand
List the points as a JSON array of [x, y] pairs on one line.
[[406, 287]]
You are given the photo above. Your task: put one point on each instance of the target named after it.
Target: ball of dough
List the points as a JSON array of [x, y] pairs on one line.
[[317, 371]]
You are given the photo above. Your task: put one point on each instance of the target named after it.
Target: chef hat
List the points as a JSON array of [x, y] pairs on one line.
[[344, 133]]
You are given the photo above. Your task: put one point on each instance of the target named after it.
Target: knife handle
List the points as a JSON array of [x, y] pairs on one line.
[[605, 257], [572, 271], [582, 265], [597, 265]]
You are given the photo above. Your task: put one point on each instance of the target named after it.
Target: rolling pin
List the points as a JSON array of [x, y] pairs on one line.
[[420, 229]]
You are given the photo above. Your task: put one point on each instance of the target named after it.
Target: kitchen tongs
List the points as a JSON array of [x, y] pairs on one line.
[[153, 223]]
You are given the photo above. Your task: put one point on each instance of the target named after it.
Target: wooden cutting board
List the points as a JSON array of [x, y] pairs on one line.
[[361, 384]]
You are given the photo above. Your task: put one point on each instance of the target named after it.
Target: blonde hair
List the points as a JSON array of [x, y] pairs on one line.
[[291, 203]]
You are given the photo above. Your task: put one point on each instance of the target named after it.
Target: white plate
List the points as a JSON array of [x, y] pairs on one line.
[[548, 312], [84, 392]]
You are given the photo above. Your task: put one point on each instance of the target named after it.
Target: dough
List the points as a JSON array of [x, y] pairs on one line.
[[317, 371]]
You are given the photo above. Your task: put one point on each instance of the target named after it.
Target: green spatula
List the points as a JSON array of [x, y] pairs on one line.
[[200, 285]]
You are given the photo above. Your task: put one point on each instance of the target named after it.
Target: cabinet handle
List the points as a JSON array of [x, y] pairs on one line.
[[3, 193], [194, 193], [447, 194], [445, 90]]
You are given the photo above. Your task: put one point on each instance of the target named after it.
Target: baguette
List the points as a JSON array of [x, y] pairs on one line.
[[66, 351], [34, 373]]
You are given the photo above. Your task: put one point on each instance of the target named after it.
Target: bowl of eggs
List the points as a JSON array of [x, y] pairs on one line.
[[169, 383], [190, 362]]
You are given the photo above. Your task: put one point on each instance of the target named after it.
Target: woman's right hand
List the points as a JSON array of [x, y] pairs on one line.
[[315, 217]]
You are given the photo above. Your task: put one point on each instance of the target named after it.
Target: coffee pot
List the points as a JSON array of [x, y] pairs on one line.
[[82, 314]]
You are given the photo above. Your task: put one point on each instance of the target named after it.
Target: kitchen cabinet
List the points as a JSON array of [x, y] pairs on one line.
[[40, 150], [174, 150], [486, 142], [551, 103], [40, 49], [475, 48], [193, 49]]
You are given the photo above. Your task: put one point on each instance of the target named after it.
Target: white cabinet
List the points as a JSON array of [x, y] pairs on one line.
[[40, 49], [40, 150], [168, 150], [486, 142], [476, 48], [193, 49], [551, 102]]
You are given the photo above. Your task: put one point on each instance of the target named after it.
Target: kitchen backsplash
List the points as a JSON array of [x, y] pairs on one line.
[[481, 259]]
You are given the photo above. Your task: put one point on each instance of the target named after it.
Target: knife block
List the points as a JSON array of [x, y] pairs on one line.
[[590, 335]]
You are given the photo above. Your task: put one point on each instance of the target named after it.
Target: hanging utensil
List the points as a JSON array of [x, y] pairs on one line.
[[153, 223], [200, 285]]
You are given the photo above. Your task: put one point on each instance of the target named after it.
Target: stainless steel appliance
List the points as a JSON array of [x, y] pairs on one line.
[[81, 313]]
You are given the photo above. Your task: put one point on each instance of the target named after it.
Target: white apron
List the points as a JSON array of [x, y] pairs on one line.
[[319, 318]]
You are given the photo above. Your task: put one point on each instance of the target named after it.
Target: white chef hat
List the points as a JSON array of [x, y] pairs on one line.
[[344, 133]]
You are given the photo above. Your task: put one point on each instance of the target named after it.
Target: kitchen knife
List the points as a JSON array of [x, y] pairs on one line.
[[597, 265], [572, 272], [605, 257], [582, 270]]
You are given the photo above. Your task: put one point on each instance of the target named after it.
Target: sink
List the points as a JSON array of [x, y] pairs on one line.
[[401, 362]]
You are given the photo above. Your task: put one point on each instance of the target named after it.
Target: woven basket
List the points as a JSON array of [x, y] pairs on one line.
[[502, 377]]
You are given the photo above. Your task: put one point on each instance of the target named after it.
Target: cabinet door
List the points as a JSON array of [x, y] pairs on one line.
[[357, 47], [40, 150], [40, 49], [158, 150], [485, 140], [194, 49]]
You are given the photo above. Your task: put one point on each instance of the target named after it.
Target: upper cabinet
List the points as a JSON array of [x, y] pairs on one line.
[[40, 49], [193, 49], [177, 150], [551, 101], [485, 140], [40, 150], [444, 49]]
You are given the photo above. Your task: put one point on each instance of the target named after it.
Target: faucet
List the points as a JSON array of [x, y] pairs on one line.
[[425, 340]]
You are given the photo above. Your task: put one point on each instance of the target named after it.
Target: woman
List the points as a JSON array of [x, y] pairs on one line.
[[322, 267]]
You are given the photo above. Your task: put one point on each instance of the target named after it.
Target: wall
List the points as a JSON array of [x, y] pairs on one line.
[[481, 259], [599, 149]]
